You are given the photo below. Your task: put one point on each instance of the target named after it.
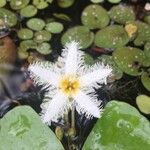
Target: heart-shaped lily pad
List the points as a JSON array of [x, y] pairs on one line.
[[143, 103], [80, 34], [129, 60], [111, 37], [121, 127], [22, 128], [122, 14], [95, 16]]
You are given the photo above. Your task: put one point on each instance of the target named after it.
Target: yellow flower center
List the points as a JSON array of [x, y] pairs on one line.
[[131, 29], [69, 85]]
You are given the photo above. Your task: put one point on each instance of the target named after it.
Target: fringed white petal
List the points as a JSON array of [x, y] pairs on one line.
[[88, 104], [98, 73], [54, 108], [73, 57], [43, 72]]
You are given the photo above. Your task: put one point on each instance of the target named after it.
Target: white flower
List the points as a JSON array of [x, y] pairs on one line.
[[70, 83]]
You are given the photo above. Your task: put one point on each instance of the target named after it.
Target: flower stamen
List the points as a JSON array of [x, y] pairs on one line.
[[69, 85]]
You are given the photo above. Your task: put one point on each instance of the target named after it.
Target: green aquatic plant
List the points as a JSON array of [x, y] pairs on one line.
[[145, 79], [65, 3], [143, 103], [35, 24], [8, 17], [28, 11], [129, 60], [25, 34], [18, 4], [44, 48], [147, 50], [2, 3], [113, 36], [95, 16], [54, 27], [120, 124], [117, 73], [122, 14], [42, 36], [143, 33], [80, 34], [114, 1]]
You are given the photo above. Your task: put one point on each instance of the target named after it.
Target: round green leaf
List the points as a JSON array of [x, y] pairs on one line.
[[129, 60], [143, 103], [147, 50], [23, 129], [95, 16], [54, 27], [122, 14], [113, 36], [65, 3], [41, 36], [114, 1], [25, 33], [35, 24], [28, 44], [18, 4], [79, 34], [40, 4], [9, 17], [121, 127], [2, 3], [29, 11], [145, 79], [44, 48]]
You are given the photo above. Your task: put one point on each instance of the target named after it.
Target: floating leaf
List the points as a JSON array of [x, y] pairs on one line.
[[80, 34], [97, 1], [95, 16], [44, 48], [35, 24], [62, 16], [147, 50], [112, 36], [145, 79], [54, 27], [2, 3], [9, 17], [42, 36], [129, 60], [121, 127], [40, 4], [25, 34], [143, 103], [114, 1], [147, 19], [117, 73], [18, 4], [22, 128], [143, 33], [28, 44], [65, 3], [122, 14], [28, 11]]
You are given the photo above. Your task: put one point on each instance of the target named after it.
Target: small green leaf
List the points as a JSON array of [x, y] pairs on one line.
[[143, 103], [22, 129], [121, 127]]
